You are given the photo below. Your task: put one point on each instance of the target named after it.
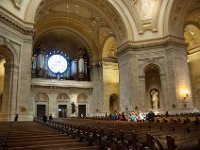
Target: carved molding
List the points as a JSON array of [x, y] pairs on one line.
[[63, 97], [82, 98], [14, 24], [110, 65], [146, 14], [151, 61], [41, 97], [17, 3], [149, 44], [195, 5]]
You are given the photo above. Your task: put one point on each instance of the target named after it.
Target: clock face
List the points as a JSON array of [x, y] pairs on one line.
[[57, 63]]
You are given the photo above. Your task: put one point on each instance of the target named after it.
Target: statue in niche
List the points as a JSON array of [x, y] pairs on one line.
[[154, 98], [147, 9]]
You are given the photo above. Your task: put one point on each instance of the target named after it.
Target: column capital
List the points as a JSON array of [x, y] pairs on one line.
[[11, 66]]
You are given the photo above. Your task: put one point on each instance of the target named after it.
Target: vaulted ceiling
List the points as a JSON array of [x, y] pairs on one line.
[[69, 24], [192, 27]]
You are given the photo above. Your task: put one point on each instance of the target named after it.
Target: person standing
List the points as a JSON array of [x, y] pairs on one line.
[[50, 117], [16, 117]]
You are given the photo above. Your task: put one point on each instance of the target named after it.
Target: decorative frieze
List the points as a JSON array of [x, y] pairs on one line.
[[150, 44], [146, 14], [61, 83], [14, 24]]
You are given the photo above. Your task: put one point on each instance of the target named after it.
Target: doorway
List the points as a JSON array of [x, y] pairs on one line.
[[41, 110], [62, 111], [82, 110], [113, 103]]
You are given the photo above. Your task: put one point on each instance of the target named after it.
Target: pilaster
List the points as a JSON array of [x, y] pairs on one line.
[[25, 105], [179, 84]]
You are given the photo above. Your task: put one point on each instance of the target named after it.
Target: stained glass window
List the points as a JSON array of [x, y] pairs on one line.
[[57, 63]]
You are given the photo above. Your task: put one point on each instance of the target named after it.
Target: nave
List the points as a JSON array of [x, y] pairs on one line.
[[102, 133], [35, 136]]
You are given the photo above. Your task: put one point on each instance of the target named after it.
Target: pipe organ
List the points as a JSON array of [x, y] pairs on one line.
[[56, 64]]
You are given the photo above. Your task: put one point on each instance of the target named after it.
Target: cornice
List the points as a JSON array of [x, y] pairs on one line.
[[8, 13], [61, 83], [15, 24], [111, 60], [150, 44]]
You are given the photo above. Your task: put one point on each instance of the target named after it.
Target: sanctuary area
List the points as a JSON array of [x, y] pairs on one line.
[[85, 58]]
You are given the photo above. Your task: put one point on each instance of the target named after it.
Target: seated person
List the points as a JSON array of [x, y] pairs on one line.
[[115, 115], [150, 116], [44, 118], [120, 117]]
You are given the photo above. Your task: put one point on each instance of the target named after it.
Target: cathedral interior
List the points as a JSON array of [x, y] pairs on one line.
[[92, 57]]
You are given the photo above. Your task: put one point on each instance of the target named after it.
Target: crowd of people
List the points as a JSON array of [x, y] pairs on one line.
[[134, 116]]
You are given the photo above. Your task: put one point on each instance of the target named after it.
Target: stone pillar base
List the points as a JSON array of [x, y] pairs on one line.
[[181, 110], [4, 117], [26, 117]]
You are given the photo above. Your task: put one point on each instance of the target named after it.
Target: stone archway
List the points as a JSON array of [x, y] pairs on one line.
[[41, 104], [113, 103], [10, 86], [82, 101], [63, 105]]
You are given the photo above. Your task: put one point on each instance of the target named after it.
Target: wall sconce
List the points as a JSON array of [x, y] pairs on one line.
[[185, 94]]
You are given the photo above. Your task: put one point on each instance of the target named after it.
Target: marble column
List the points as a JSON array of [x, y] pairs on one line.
[[97, 79], [164, 105], [142, 104], [178, 79], [128, 77]]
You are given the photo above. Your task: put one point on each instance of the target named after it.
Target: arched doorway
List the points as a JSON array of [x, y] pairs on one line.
[[42, 104], [113, 103], [153, 86], [62, 100], [82, 100], [8, 82]]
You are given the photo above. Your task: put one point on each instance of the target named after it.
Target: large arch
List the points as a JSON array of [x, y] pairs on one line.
[[116, 6], [10, 89], [69, 26], [175, 16]]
